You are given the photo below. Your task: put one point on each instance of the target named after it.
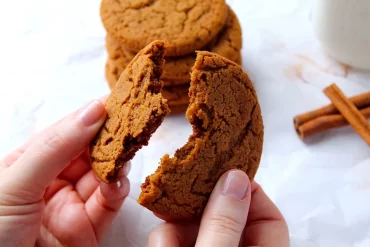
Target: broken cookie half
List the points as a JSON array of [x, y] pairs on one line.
[[135, 109], [227, 134]]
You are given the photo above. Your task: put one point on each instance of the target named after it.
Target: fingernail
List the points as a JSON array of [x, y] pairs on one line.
[[116, 190], [235, 185], [91, 113], [127, 168]]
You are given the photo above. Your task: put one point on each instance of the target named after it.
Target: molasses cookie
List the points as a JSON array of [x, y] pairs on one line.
[[227, 134], [135, 109], [187, 25]]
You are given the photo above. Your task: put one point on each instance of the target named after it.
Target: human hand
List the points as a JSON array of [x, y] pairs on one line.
[[238, 213], [49, 196]]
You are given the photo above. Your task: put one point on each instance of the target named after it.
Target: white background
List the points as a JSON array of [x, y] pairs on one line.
[[52, 61]]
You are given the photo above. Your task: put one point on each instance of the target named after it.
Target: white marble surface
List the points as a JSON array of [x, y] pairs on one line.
[[52, 60]]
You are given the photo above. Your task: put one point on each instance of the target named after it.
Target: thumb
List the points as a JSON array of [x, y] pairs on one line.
[[226, 213], [53, 150]]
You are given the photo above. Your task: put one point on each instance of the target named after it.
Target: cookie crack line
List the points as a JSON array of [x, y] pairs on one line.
[[122, 8], [200, 16], [150, 3], [139, 6], [251, 129], [189, 9]]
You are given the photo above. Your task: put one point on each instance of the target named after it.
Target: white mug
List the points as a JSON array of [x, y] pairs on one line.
[[343, 29]]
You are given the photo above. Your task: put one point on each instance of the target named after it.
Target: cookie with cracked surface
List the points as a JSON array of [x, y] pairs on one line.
[[227, 134], [187, 25], [228, 43], [135, 109]]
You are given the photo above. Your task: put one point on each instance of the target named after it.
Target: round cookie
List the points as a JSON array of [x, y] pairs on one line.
[[227, 134], [187, 25], [177, 70]]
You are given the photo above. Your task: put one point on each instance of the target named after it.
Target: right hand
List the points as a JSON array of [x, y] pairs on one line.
[[238, 213]]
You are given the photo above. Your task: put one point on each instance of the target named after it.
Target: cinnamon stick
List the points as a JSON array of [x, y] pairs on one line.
[[349, 112], [360, 101], [324, 123]]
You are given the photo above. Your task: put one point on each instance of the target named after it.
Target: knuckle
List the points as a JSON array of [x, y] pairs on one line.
[[10, 158], [104, 204], [159, 232], [164, 228], [55, 140], [226, 224]]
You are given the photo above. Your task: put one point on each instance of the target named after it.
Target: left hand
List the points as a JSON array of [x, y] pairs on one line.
[[49, 196]]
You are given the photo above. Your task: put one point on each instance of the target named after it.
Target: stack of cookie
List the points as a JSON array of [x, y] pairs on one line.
[[187, 26]]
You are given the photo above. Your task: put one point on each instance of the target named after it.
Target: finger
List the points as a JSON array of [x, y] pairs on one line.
[[12, 157], [226, 213], [266, 225], [9, 159], [55, 149], [104, 98], [55, 187], [173, 235], [77, 168], [86, 186], [104, 204]]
